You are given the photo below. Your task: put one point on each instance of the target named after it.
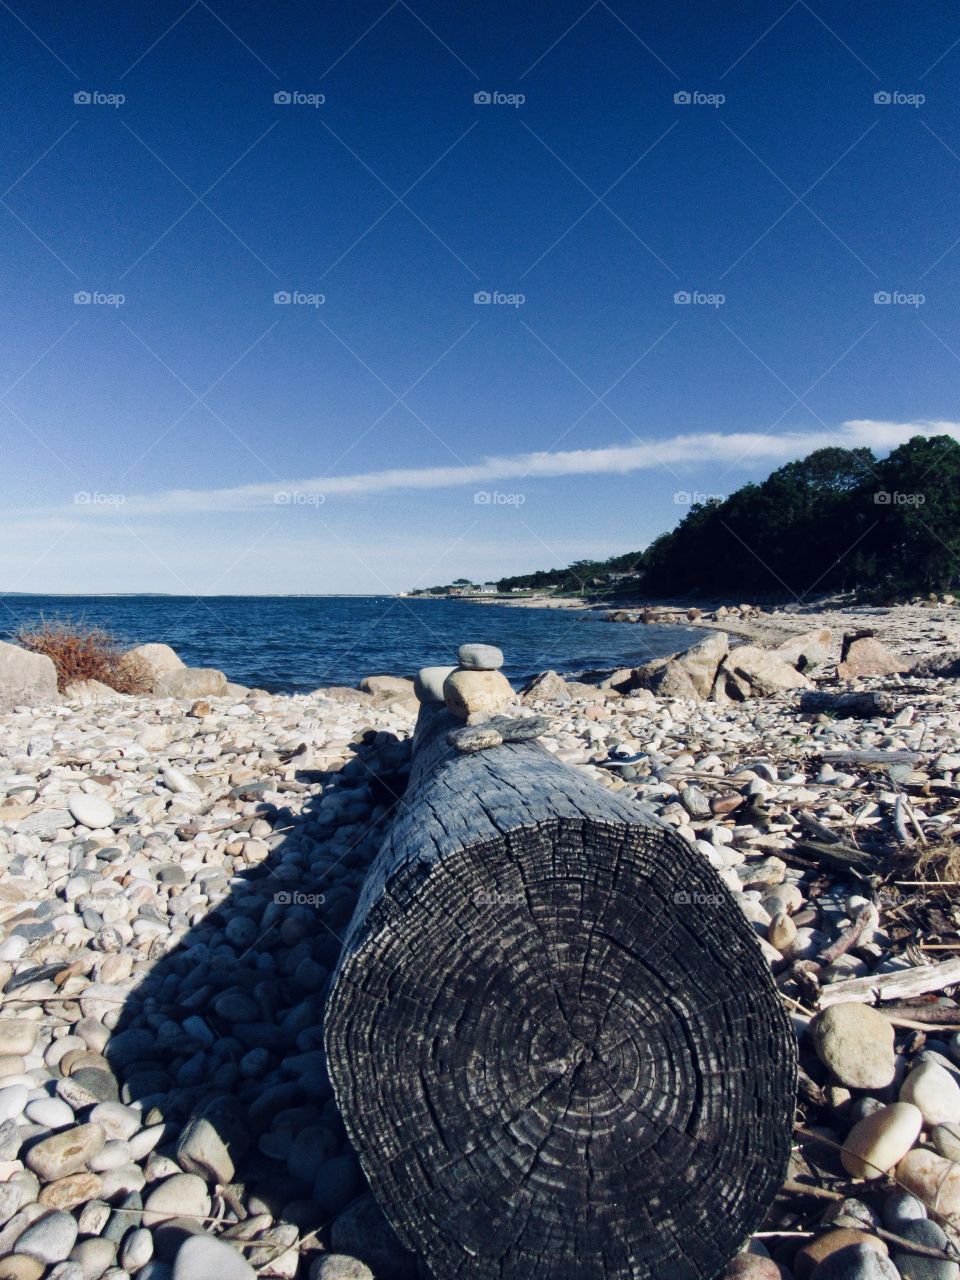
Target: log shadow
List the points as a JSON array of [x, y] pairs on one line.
[[222, 1041]]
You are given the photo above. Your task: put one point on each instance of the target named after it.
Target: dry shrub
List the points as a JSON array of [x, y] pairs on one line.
[[937, 861], [85, 653]]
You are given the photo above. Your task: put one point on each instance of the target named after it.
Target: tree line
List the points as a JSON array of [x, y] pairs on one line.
[[837, 520]]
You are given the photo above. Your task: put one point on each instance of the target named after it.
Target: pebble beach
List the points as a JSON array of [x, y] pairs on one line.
[[179, 871]]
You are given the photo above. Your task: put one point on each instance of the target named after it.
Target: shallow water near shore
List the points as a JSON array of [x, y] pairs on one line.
[[292, 644]]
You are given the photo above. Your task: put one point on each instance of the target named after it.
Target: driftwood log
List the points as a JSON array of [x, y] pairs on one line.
[[553, 1038]]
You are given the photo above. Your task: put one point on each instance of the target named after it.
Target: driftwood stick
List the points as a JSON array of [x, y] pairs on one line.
[[554, 1041], [890, 986], [860, 706], [867, 918], [823, 1193]]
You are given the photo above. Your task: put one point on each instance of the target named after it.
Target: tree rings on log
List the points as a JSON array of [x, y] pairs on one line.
[[554, 1040]]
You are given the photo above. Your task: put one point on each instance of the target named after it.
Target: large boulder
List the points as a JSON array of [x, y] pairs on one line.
[[546, 687], [90, 692], [667, 678], [807, 650], [387, 686], [862, 654], [946, 664], [155, 660], [752, 672], [26, 679], [701, 661], [191, 682]]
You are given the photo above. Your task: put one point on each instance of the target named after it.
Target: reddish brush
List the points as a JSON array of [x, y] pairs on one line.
[[85, 653]]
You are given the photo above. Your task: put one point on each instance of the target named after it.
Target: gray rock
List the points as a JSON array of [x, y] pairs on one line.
[[26, 679], [915, 1265], [50, 1238], [428, 685], [45, 823], [857, 1262], [201, 1150], [207, 1258], [338, 1181], [137, 1249], [946, 1139], [182, 1195], [856, 1043], [480, 657], [337, 1266], [363, 1232], [900, 1208], [520, 728], [478, 737]]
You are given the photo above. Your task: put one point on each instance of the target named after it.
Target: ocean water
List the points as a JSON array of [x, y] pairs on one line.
[[292, 644]]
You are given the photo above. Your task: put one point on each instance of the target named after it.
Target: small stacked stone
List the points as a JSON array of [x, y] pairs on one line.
[[473, 690], [477, 688]]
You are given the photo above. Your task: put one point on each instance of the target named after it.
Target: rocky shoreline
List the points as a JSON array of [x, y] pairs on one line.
[[179, 869]]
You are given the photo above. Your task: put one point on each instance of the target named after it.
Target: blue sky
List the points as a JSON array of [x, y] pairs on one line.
[[779, 165]]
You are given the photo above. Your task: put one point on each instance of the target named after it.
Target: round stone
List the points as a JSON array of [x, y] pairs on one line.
[[90, 811], [916, 1265], [50, 1238], [876, 1143], [182, 1196], [52, 1113], [207, 1258], [75, 1189], [901, 1208], [857, 1262], [66, 1152], [13, 1100], [946, 1138], [810, 1255], [932, 1179], [137, 1249], [428, 684], [856, 1043], [337, 1266], [934, 1091], [480, 657]]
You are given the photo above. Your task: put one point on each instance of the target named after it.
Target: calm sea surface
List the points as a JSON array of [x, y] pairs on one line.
[[293, 644]]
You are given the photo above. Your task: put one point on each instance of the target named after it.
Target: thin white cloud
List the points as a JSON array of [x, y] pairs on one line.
[[733, 449]]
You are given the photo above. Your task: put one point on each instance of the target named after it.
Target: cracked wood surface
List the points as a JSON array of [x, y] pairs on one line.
[[553, 1038]]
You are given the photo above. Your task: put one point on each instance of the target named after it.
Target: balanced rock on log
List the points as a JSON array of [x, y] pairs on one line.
[[553, 1038]]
